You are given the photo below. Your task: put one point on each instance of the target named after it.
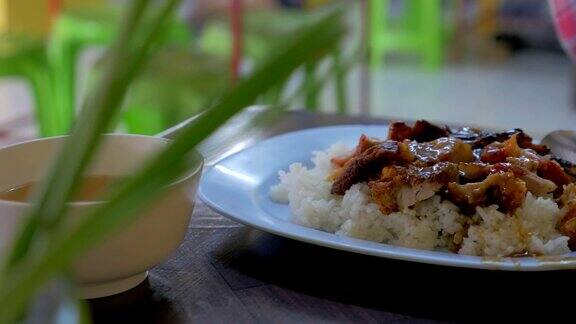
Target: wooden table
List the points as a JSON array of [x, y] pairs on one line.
[[225, 272]]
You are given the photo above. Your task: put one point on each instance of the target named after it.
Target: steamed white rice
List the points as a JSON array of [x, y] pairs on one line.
[[431, 224]]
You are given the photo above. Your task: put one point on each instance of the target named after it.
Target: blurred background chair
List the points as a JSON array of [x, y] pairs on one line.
[[74, 31], [24, 26], [24, 57], [417, 30], [148, 110]]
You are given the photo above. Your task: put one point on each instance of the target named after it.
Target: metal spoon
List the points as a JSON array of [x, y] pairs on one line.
[[562, 143]]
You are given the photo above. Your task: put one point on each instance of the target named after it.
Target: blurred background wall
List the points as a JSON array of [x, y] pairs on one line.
[[491, 63]]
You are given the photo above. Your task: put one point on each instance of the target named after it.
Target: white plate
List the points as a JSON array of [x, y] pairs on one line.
[[238, 185]]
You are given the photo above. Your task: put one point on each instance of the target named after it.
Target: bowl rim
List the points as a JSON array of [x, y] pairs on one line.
[[194, 170]]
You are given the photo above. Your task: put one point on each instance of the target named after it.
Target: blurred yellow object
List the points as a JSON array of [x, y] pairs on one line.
[[24, 17], [313, 4], [487, 22], [32, 17], [484, 28]]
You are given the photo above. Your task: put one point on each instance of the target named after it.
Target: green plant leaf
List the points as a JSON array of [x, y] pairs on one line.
[[136, 193], [122, 63], [70, 308]]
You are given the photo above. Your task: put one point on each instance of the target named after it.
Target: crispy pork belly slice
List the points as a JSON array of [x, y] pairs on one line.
[[525, 142], [477, 171], [399, 131], [423, 183], [468, 134], [499, 152], [525, 162], [568, 197], [403, 187], [493, 153], [552, 171], [409, 196], [422, 131], [368, 164], [442, 172], [569, 167], [444, 149], [364, 143], [567, 222], [536, 185], [384, 194], [502, 188], [391, 197], [473, 170], [479, 139]]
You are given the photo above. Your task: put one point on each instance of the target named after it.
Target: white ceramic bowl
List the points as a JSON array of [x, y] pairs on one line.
[[121, 261]]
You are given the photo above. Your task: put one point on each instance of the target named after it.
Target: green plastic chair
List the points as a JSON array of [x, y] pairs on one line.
[[76, 30], [26, 58], [420, 31]]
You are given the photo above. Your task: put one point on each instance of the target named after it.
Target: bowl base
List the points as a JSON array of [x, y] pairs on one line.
[[109, 288]]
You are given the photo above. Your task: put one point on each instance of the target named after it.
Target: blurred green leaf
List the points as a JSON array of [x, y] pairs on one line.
[[71, 309], [123, 61], [136, 193], [57, 302]]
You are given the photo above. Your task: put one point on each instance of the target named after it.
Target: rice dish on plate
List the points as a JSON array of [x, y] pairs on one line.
[[519, 211]]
